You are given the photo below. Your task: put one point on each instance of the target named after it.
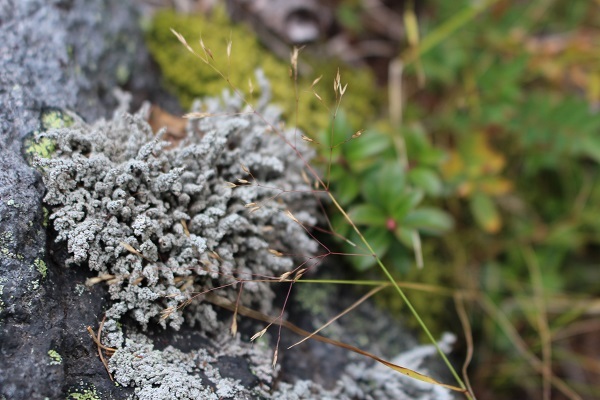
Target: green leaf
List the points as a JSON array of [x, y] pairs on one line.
[[428, 219], [403, 204], [404, 236], [340, 225], [590, 146], [345, 189], [384, 184], [367, 214], [485, 212], [426, 179], [370, 144], [378, 238]]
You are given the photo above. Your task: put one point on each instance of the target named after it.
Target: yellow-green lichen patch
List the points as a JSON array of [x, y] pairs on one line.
[[55, 358], [189, 78], [6, 240], [55, 118], [44, 147], [84, 392], [40, 265]]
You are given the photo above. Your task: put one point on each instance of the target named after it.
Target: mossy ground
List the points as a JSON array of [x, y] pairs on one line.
[[188, 78]]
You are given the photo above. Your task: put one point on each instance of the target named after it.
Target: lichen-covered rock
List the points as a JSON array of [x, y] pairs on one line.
[[165, 224], [65, 54]]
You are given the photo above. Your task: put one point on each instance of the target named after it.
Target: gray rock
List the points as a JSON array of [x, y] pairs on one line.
[[67, 54]]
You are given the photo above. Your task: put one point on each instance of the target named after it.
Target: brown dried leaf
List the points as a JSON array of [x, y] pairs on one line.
[[196, 115]]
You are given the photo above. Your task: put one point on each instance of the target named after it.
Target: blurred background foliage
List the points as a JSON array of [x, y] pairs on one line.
[[483, 182]]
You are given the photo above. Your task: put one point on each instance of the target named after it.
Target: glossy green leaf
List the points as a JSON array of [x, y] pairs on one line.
[[405, 203], [426, 179], [367, 214], [428, 219], [404, 236], [383, 185], [346, 189], [369, 144], [379, 239]]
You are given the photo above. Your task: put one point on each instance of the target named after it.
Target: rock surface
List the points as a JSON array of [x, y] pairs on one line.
[[66, 54]]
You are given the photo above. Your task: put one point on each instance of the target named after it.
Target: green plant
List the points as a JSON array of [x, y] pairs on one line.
[[380, 196], [513, 105]]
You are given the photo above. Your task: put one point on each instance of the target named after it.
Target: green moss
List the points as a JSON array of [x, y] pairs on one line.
[[56, 358], [40, 265], [189, 78]]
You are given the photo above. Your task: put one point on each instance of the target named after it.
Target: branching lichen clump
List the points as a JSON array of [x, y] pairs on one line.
[[159, 224]]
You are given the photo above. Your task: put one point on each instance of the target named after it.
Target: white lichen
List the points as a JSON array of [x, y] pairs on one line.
[[120, 199]]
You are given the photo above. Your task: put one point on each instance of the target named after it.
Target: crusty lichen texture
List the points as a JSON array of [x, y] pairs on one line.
[[160, 224]]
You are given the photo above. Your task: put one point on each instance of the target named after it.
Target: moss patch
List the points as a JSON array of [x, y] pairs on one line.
[[189, 78]]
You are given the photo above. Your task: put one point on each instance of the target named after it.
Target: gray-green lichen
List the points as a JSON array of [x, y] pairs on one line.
[[115, 186], [84, 392], [7, 243]]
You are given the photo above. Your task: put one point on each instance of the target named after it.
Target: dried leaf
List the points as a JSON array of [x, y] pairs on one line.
[[234, 324], [206, 49], [138, 281], [275, 357], [182, 40], [284, 276], [130, 249], [358, 134], [185, 228], [258, 334], [196, 115], [275, 252], [166, 312], [305, 177], [316, 81], [294, 59], [291, 216]]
